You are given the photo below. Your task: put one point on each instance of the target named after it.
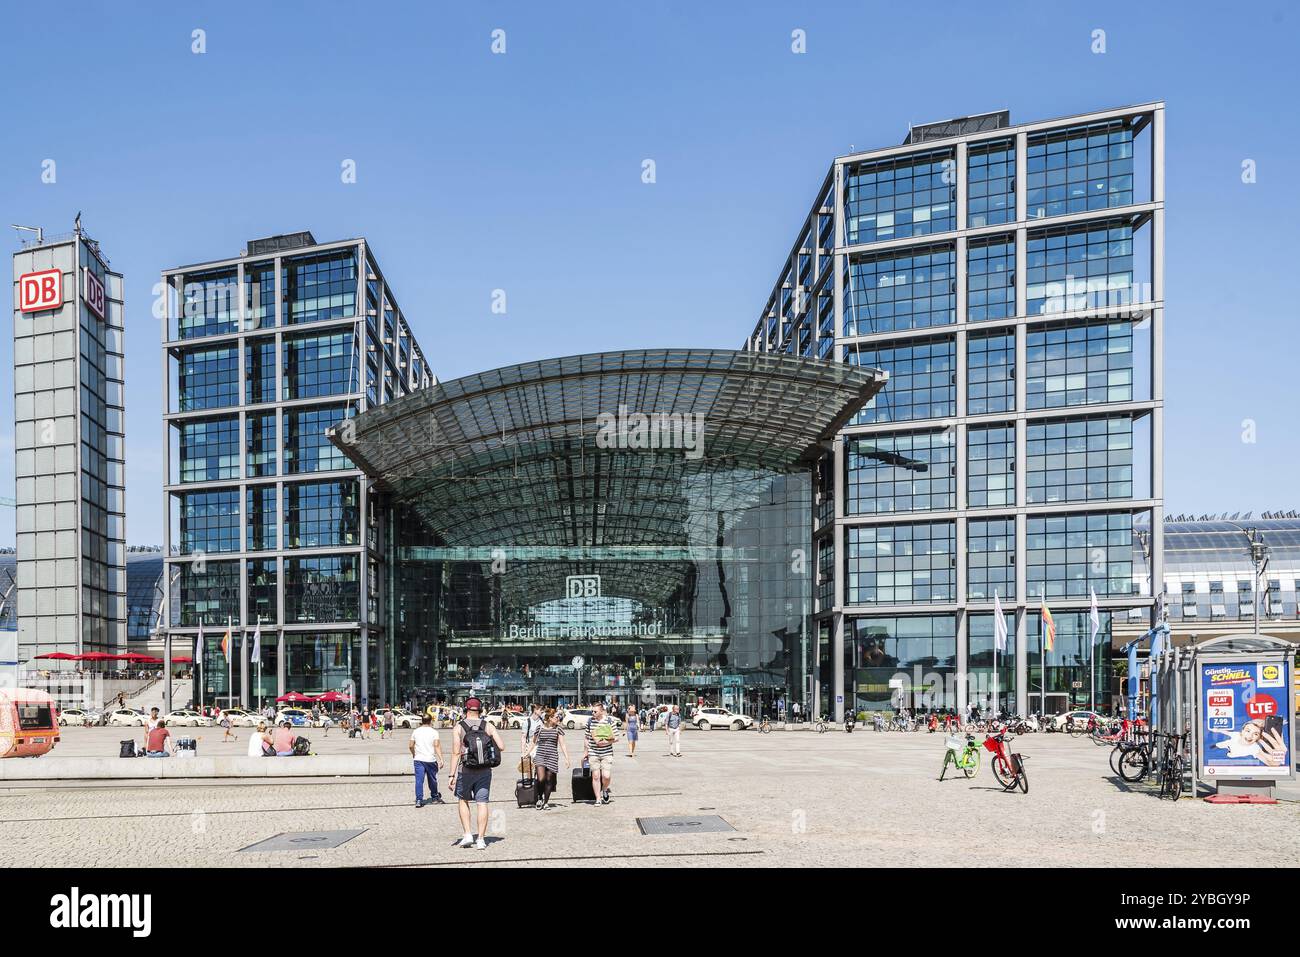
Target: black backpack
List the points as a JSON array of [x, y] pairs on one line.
[[127, 749], [301, 746], [480, 750]]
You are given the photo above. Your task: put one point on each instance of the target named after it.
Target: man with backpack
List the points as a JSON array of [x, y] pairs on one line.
[[476, 750]]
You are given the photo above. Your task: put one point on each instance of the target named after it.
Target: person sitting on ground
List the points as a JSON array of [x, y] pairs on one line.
[[158, 742], [259, 742], [282, 740]]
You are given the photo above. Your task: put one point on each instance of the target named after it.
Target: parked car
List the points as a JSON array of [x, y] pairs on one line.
[[298, 717], [185, 718], [241, 717], [127, 718], [581, 717], [706, 719], [499, 718], [1080, 720], [405, 719], [78, 717]]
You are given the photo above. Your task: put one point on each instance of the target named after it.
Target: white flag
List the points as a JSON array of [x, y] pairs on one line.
[[256, 656], [198, 645], [1093, 618], [999, 624]]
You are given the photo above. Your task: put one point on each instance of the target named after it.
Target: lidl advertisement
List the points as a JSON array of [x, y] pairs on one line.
[[1247, 720]]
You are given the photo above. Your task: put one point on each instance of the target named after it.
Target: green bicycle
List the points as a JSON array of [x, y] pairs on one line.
[[963, 755]]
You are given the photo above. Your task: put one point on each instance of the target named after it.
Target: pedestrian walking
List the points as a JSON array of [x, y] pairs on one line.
[[476, 750], [598, 751], [228, 733], [548, 745], [388, 723], [673, 725], [529, 727], [426, 753], [633, 730]]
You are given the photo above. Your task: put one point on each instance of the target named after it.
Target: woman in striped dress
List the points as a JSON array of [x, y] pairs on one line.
[[548, 745]]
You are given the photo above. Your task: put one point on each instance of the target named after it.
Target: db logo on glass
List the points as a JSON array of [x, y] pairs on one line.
[[93, 293], [582, 586], [39, 291]]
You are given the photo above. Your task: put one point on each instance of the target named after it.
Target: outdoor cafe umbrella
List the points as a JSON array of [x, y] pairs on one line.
[[99, 656], [332, 696], [137, 657], [294, 696], [60, 656]]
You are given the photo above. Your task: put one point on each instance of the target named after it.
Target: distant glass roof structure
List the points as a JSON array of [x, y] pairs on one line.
[[1212, 546], [523, 453]]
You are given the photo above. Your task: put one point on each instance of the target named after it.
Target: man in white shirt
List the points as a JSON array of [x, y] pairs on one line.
[[426, 752], [530, 726]]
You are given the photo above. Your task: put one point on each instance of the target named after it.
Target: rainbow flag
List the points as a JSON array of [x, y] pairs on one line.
[[1049, 628], [225, 645]]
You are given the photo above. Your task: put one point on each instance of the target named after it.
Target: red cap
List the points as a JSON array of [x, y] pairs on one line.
[[473, 704]]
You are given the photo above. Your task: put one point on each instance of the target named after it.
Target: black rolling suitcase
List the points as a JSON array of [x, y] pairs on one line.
[[526, 789], [583, 789]]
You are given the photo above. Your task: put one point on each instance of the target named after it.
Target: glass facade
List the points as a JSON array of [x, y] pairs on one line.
[[991, 184], [1079, 460], [991, 463], [991, 278], [1066, 555], [990, 373], [276, 518], [1079, 169], [918, 652], [922, 379], [909, 290], [913, 195], [895, 564], [1046, 323], [902, 472]]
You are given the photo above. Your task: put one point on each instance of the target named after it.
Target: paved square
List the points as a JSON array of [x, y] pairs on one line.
[[794, 798]]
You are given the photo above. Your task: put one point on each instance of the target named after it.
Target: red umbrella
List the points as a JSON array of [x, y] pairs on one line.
[[181, 660], [136, 656], [332, 696], [60, 656], [98, 656], [294, 696]]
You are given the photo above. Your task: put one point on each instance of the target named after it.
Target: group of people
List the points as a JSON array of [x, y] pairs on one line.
[[477, 747]]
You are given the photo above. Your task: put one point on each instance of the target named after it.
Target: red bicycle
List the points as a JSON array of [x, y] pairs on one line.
[[1008, 767]]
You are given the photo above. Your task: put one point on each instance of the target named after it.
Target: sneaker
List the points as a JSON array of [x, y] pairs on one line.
[[466, 841], [480, 845], [436, 800], [604, 796], [419, 803]]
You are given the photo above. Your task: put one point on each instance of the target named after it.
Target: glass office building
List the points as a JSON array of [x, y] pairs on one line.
[[1009, 279], [632, 526], [68, 439], [267, 522]]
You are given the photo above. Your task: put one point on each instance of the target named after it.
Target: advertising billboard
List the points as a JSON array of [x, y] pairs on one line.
[[1246, 716]]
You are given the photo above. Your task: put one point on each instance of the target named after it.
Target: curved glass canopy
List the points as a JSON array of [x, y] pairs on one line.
[[537, 452]]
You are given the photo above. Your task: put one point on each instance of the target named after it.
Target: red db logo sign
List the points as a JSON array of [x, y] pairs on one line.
[[38, 291], [94, 293]]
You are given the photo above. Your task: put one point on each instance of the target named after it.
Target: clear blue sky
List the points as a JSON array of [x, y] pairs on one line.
[[523, 172]]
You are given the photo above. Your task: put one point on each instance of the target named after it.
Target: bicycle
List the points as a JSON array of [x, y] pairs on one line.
[[1008, 767], [821, 725], [1171, 766], [967, 761], [765, 726]]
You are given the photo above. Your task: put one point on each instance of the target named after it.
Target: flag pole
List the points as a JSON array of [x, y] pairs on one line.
[[1042, 655], [230, 666]]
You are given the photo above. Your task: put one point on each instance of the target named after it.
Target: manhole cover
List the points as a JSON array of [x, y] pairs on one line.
[[696, 824], [303, 841]]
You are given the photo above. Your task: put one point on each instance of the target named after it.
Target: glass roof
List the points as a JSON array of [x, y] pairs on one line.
[[512, 455]]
